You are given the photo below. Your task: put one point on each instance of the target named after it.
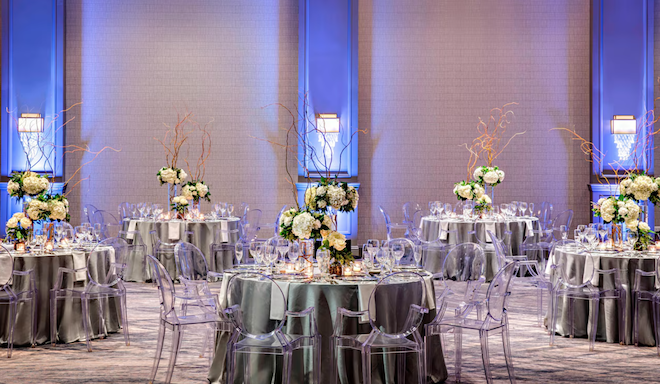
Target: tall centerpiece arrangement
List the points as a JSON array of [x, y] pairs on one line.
[[196, 189], [36, 190], [317, 218], [172, 175], [488, 145]]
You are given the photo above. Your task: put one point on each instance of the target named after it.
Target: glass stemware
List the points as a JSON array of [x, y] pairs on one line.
[[238, 251], [523, 208], [531, 209], [468, 208], [418, 255], [256, 251], [323, 261], [397, 251], [67, 238], [448, 209], [563, 229], [230, 210], [38, 239], [282, 247], [591, 236], [294, 251]]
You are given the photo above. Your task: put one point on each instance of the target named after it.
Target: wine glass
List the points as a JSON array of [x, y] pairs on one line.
[[563, 229], [238, 250], [602, 231], [468, 207], [230, 210], [397, 250], [133, 211], [97, 231], [256, 251], [531, 209], [58, 228], [591, 236], [381, 256], [223, 209], [294, 251], [283, 247], [439, 207], [366, 257], [141, 207], [434, 210], [67, 234], [38, 236], [418, 255], [271, 254], [523, 208], [448, 210], [157, 210]]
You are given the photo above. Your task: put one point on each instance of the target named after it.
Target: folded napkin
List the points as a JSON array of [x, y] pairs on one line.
[[130, 234], [222, 296], [364, 294], [490, 226], [277, 306], [6, 268], [444, 226], [529, 225], [79, 261], [173, 228], [224, 231], [430, 293]]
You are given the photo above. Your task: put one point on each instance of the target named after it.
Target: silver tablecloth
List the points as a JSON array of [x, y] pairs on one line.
[[202, 238], [326, 298], [608, 316], [433, 259], [70, 326]]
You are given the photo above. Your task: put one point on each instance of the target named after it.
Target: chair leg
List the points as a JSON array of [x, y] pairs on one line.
[[458, 352], [124, 319], [635, 319], [553, 316], [13, 314], [366, 366], [231, 359], [401, 367], [33, 313], [594, 326], [485, 356], [507, 353], [286, 367], [656, 329], [421, 369], [176, 345], [99, 301], [86, 322], [159, 351], [622, 317], [539, 305], [571, 324], [317, 357], [53, 319], [334, 356]]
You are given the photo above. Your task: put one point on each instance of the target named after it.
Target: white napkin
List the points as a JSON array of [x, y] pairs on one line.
[[79, 261], [364, 294], [277, 307], [530, 227], [490, 226], [6, 268], [224, 231], [173, 228], [430, 293], [222, 296], [131, 228], [444, 226]]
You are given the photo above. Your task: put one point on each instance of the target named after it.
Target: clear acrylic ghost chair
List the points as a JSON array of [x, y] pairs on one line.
[[563, 218], [124, 210], [243, 210], [274, 227], [250, 224], [88, 211], [174, 321], [571, 286], [224, 243], [12, 294], [409, 210], [545, 215], [495, 321], [464, 272], [106, 219], [257, 333], [530, 271], [164, 252], [644, 289], [193, 269], [389, 336], [390, 226], [136, 257], [105, 269]]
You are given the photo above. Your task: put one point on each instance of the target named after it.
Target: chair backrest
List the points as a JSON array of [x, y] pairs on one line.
[[190, 261], [6, 266], [385, 216], [89, 210], [464, 263], [246, 295], [408, 248], [107, 262], [243, 210], [157, 243], [409, 210], [228, 236], [124, 210], [165, 287], [406, 289], [107, 220], [569, 275], [136, 237], [545, 214], [498, 292], [253, 219], [500, 250], [563, 218], [277, 220]]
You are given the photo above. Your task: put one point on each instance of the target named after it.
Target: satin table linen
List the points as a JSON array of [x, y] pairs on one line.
[[326, 297], [608, 320], [202, 238], [520, 228], [70, 326]]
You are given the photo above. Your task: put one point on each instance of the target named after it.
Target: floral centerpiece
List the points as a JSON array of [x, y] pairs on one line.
[[617, 210], [18, 227], [179, 204], [482, 204], [332, 194], [196, 191], [488, 175], [640, 187], [53, 207], [644, 236], [468, 190], [304, 224], [340, 254], [27, 183], [171, 175]]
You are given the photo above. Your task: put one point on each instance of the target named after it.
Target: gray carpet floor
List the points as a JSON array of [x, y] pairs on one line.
[[569, 361]]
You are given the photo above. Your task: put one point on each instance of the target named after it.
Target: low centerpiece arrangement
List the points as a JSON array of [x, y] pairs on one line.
[[18, 229]]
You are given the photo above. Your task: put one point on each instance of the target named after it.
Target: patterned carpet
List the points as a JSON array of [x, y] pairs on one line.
[[569, 361]]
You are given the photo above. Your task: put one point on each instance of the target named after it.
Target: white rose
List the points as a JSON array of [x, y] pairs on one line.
[[337, 240], [317, 224], [477, 173], [479, 191], [632, 225], [302, 225], [167, 175], [644, 227], [321, 204], [202, 189], [620, 204], [491, 177], [327, 221], [188, 192], [182, 175], [26, 223], [12, 223]]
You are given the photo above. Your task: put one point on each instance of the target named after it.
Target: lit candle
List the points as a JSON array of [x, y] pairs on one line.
[[49, 245], [288, 268], [19, 247], [201, 216], [357, 266], [348, 272], [64, 243]]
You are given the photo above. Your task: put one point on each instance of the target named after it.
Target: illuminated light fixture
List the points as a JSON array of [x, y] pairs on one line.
[[623, 125], [30, 123], [327, 125], [624, 129]]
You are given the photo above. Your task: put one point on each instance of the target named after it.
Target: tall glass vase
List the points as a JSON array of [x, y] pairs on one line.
[[490, 191], [643, 210], [171, 193]]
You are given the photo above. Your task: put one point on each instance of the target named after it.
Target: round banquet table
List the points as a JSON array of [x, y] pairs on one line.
[[459, 228], [608, 319], [326, 297], [70, 326], [174, 231]]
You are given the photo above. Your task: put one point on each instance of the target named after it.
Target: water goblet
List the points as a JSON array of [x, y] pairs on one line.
[[67, 238], [133, 211], [418, 255], [563, 230], [294, 251], [439, 208], [238, 251], [366, 257], [468, 208], [523, 208], [256, 251], [141, 207], [230, 210], [398, 251], [434, 210], [97, 231], [283, 247], [531, 209], [223, 209], [602, 231], [448, 209]]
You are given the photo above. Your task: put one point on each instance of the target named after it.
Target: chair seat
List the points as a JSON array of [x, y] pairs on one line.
[[580, 293], [378, 340], [475, 324], [194, 319], [275, 341]]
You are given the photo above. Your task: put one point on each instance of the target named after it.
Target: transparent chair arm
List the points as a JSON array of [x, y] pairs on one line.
[[207, 303], [309, 313], [30, 273], [638, 278], [613, 271], [414, 318], [339, 321], [60, 275]]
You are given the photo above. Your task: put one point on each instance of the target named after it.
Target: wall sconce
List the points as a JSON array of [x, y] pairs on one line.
[[327, 124], [30, 123], [623, 128]]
